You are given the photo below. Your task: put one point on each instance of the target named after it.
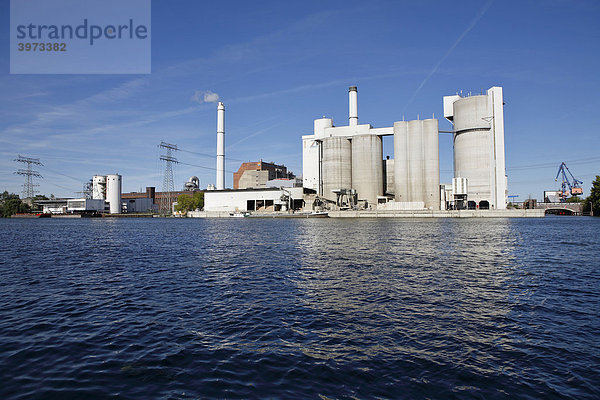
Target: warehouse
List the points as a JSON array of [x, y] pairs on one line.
[[257, 200]]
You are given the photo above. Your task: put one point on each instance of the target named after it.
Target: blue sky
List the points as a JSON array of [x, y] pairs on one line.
[[279, 65]]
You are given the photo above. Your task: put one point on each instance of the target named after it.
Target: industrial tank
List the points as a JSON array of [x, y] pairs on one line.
[[473, 156], [99, 187], [321, 124], [336, 165], [431, 159], [401, 161], [416, 164], [367, 167], [113, 193]]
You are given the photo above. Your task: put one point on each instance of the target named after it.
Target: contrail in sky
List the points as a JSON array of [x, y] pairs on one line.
[[450, 50]]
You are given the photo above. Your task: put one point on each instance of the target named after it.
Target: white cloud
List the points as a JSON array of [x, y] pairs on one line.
[[205, 96]]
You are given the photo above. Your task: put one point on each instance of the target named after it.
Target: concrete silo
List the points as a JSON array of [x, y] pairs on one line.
[[431, 161], [113, 193], [336, 165], [367, 167], [479, 146], [416, 164]]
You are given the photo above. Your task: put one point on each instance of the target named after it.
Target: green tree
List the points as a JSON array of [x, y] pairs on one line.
[[592, 202], [574, 199], [187, 203], [10, 204]]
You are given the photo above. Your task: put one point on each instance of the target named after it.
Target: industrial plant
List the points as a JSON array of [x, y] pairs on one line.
[[344, 172]]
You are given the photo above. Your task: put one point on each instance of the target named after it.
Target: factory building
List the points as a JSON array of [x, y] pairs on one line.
[[479, 146], [337, 160], [340, 161], [257, 200], [257, 174]]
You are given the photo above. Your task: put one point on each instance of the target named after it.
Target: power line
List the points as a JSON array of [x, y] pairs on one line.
[[209, 155], [581, 161], [203, 167]]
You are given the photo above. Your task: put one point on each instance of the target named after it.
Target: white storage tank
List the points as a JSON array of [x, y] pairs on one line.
[[99, 187], [367, 167], [320, 125], [113, 193], [336, 165]]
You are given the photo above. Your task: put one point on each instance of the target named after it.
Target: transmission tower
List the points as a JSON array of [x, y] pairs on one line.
[[167, 198], [29, 173]]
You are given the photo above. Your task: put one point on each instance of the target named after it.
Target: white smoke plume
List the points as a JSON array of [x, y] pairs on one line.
[[205, 96]]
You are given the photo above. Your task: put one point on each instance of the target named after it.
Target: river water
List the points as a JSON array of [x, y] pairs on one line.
[[300, 308]]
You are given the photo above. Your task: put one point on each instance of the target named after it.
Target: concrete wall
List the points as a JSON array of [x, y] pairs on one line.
[[388, 176], [512, 213], [253, 179]]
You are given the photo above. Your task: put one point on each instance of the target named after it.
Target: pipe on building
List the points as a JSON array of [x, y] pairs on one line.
[[353, 105], [220, 146]]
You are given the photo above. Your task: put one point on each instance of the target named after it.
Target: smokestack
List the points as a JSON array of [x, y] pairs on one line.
[[352, 97], [220, 146]]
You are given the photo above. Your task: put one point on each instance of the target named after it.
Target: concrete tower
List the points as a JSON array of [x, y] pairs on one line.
[[479, 146]]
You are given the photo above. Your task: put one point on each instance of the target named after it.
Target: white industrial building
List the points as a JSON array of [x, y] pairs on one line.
[[337, 160], [243, 200]]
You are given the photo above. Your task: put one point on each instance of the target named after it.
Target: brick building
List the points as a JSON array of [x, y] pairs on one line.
[[256, 174]]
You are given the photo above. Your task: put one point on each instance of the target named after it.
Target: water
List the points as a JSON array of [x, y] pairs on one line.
[[263, 308]]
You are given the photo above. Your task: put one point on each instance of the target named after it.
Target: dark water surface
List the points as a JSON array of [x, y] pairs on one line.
[[263, 308]]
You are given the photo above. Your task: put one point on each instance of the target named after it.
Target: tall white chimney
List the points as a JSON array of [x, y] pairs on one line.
[[352, 97], [220, 146]]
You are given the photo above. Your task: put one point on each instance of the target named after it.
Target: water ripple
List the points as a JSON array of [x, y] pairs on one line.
[[156, 308]]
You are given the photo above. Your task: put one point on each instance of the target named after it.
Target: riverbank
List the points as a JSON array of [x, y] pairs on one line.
[[512, 213]]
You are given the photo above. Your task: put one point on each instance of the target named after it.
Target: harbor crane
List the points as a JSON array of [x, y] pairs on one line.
[[568, 187]]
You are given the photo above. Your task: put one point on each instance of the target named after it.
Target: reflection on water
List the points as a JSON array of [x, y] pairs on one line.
[[406, 287], [300, 308]]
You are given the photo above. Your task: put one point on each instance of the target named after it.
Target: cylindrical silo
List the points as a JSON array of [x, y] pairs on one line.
[[416, 170], [336, 165], [367, 167], [431, 159], [113, 193], [99, 187], [473, 147], [401, 161]]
